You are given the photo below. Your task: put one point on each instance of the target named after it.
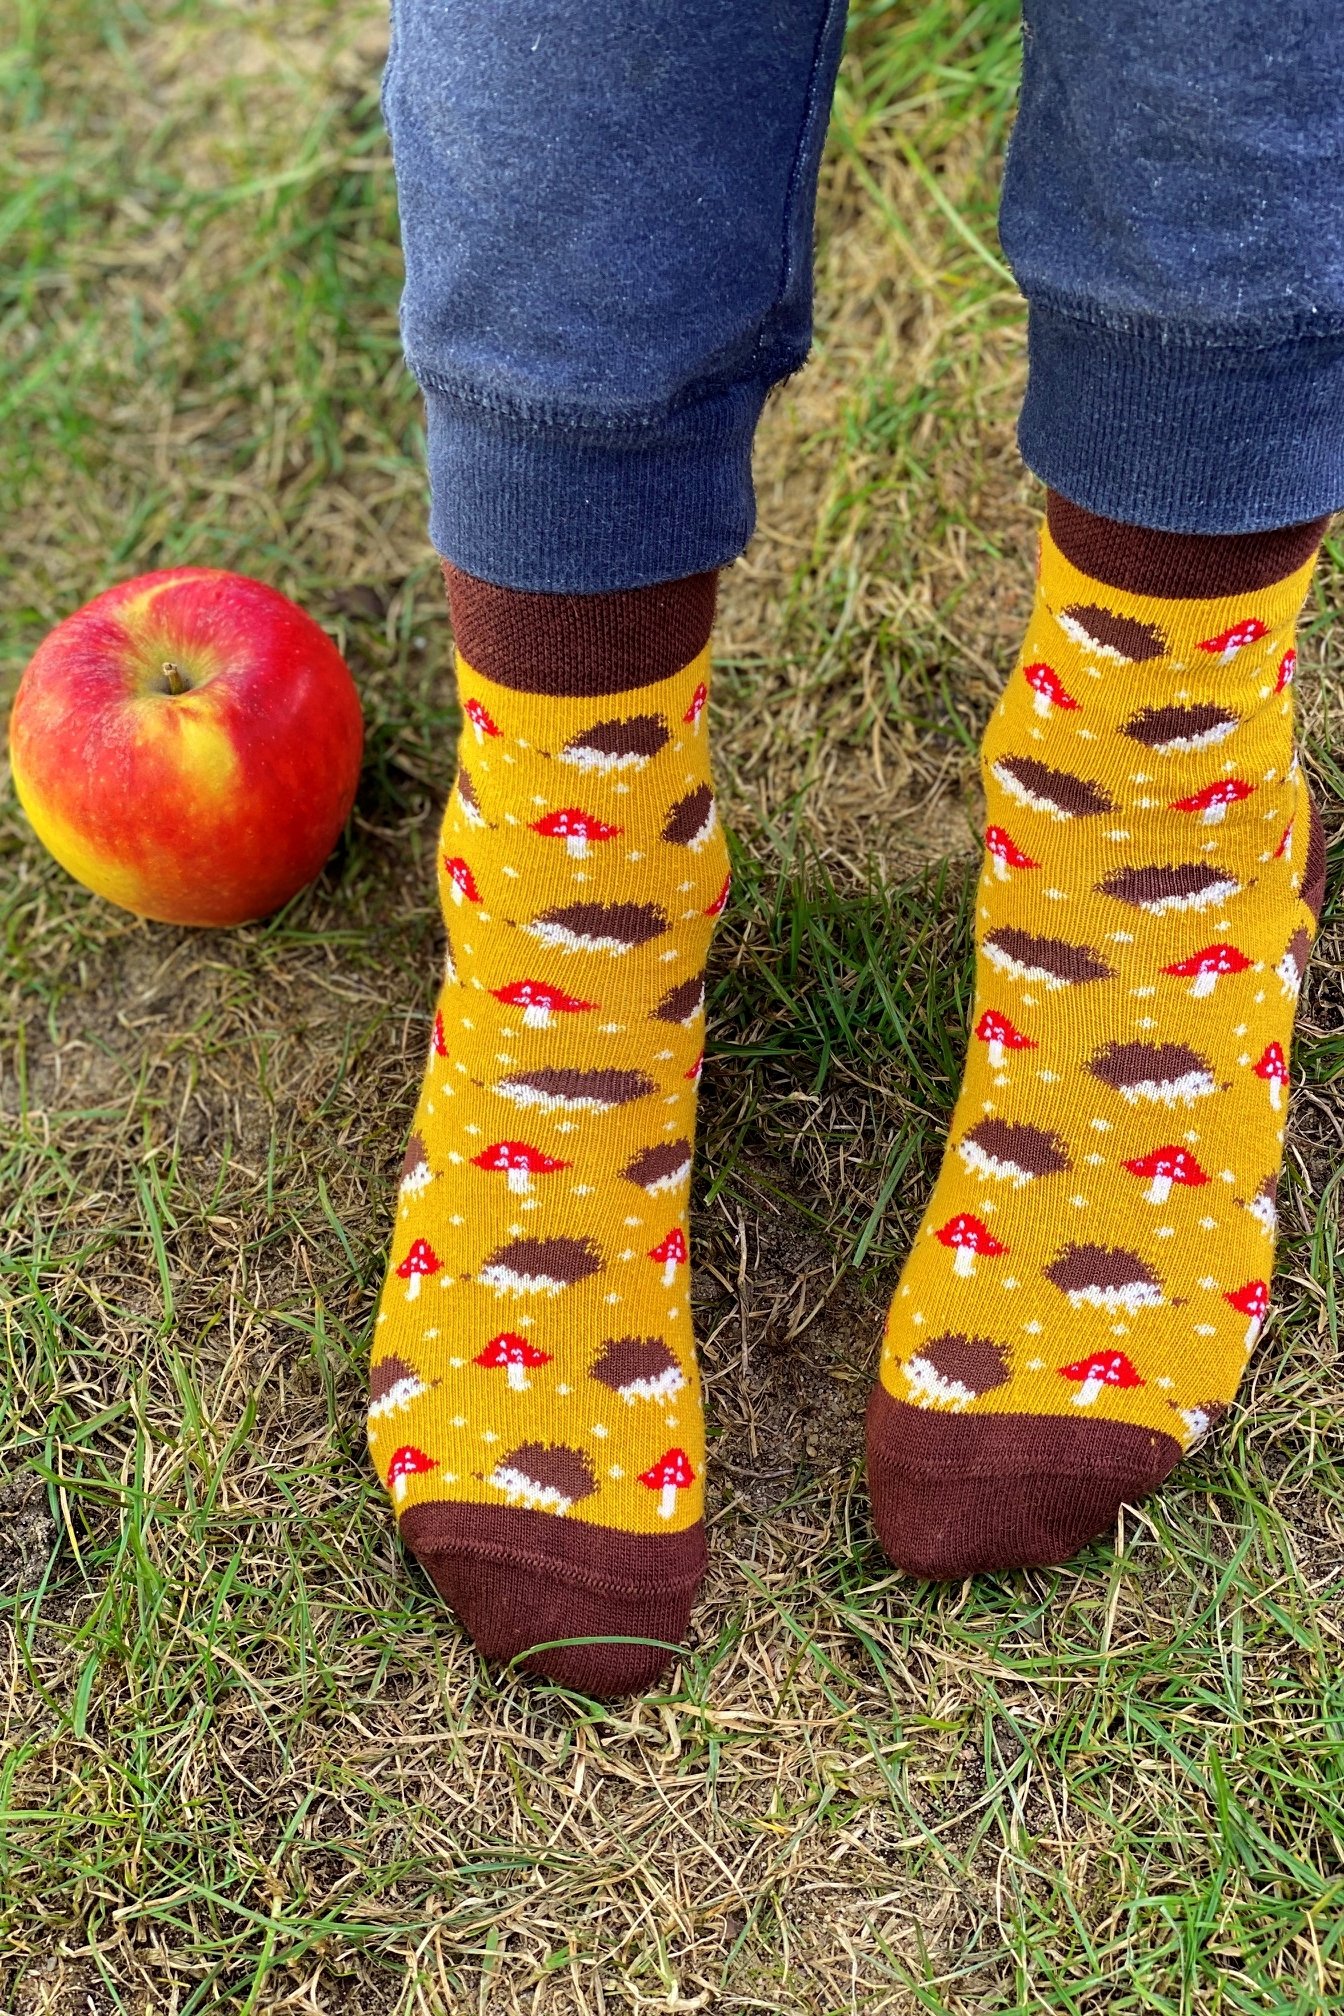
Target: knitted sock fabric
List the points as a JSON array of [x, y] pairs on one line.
[[1092, 1270], [535, 1402]]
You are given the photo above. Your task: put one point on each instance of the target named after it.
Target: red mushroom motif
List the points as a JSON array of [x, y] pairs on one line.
[[1206, 968], [1165, 1166], [670, 1474], [1284, 850], [672, 1251], [1048, 688], [576, 829], [716, 908], [697, 706], [439, 1040], [1212, 802], [1287, 671], [966, 1236], [519, 1162], [406, 1463], [479, 719], [1090, 1375], [461, 881], [539, 1002], [1272, 1066], [421, 1260], [1228, 642], [514, 1356], [1252, 1301], [1007, 854], [998, 1032]]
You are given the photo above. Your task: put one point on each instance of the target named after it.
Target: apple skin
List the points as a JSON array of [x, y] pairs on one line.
[[211, 806]]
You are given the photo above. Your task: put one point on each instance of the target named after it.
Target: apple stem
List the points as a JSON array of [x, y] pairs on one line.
[[176, 683]]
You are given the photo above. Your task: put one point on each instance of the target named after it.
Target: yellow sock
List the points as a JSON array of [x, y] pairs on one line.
[[1092, 1271], [535, 1401]]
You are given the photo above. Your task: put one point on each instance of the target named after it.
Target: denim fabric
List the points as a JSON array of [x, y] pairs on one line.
[[607, 212], [1173, 210]]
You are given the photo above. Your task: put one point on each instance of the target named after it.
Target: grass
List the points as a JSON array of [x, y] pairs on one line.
[[247, 1761]]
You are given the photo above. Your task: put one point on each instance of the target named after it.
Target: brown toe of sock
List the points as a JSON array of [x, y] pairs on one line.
[[959, 1494], [519, 1579]]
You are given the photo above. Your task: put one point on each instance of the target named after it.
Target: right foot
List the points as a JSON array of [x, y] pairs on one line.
[[535, 1399]]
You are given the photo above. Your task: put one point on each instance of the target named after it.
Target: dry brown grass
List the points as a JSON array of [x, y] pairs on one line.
[[248, 1761]]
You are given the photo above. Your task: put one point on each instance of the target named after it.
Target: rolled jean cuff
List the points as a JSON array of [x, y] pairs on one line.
[[579, 509], [1181, 432]]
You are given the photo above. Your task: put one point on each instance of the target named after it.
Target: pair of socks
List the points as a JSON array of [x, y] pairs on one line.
[[1092, 1271]]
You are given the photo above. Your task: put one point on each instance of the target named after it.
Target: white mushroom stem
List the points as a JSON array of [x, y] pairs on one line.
[[1213, 815], [1276, 1093], [1088, 1392], [455, 888], [399, 1487], [413, 1287], [964, 1263], [669, 1270], [520, 1181], [576, 846], [1000, 867], [1204, 983], [517, 1378], [537, 1017], [1041, 703], [1159, 1190], [996, 1056], [667, 1503], [1252, 1332]]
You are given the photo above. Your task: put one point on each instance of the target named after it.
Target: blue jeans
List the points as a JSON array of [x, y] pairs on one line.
[[607, 210]]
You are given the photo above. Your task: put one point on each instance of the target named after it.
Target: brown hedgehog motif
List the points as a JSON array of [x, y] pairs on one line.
[[393, 1384], [416, 1174], [467, 799], [660, 1168], [1180, 731], [638, 1368], [544, 1476], [617, 745], [692, 819], [541, 1266], [1201, 1417], [1056, 792], [1013, 1151], [1189, 886], [1264, 1206], [953, 1370], [560, 1089], [1293, 964], [1050, 960], [1105, 633], [1163, 1073], [599, 927], [682, 1003], [1107, 1277]]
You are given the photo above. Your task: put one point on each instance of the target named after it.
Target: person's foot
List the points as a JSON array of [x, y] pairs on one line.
[[1093, 1267], [535, 1402]]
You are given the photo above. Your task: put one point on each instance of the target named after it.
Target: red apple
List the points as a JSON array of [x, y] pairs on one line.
[[188, 745]]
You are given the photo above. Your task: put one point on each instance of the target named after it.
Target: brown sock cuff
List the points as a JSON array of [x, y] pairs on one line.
[[1178, 565], [580, 646]]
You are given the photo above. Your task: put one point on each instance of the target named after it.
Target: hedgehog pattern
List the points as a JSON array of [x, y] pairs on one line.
[[1100, 1237], [533, 1348]]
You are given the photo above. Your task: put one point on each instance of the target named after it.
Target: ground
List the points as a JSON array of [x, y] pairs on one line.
[[249, 1763]]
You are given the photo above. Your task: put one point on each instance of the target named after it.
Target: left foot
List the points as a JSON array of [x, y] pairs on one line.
[[1092, 1271]]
